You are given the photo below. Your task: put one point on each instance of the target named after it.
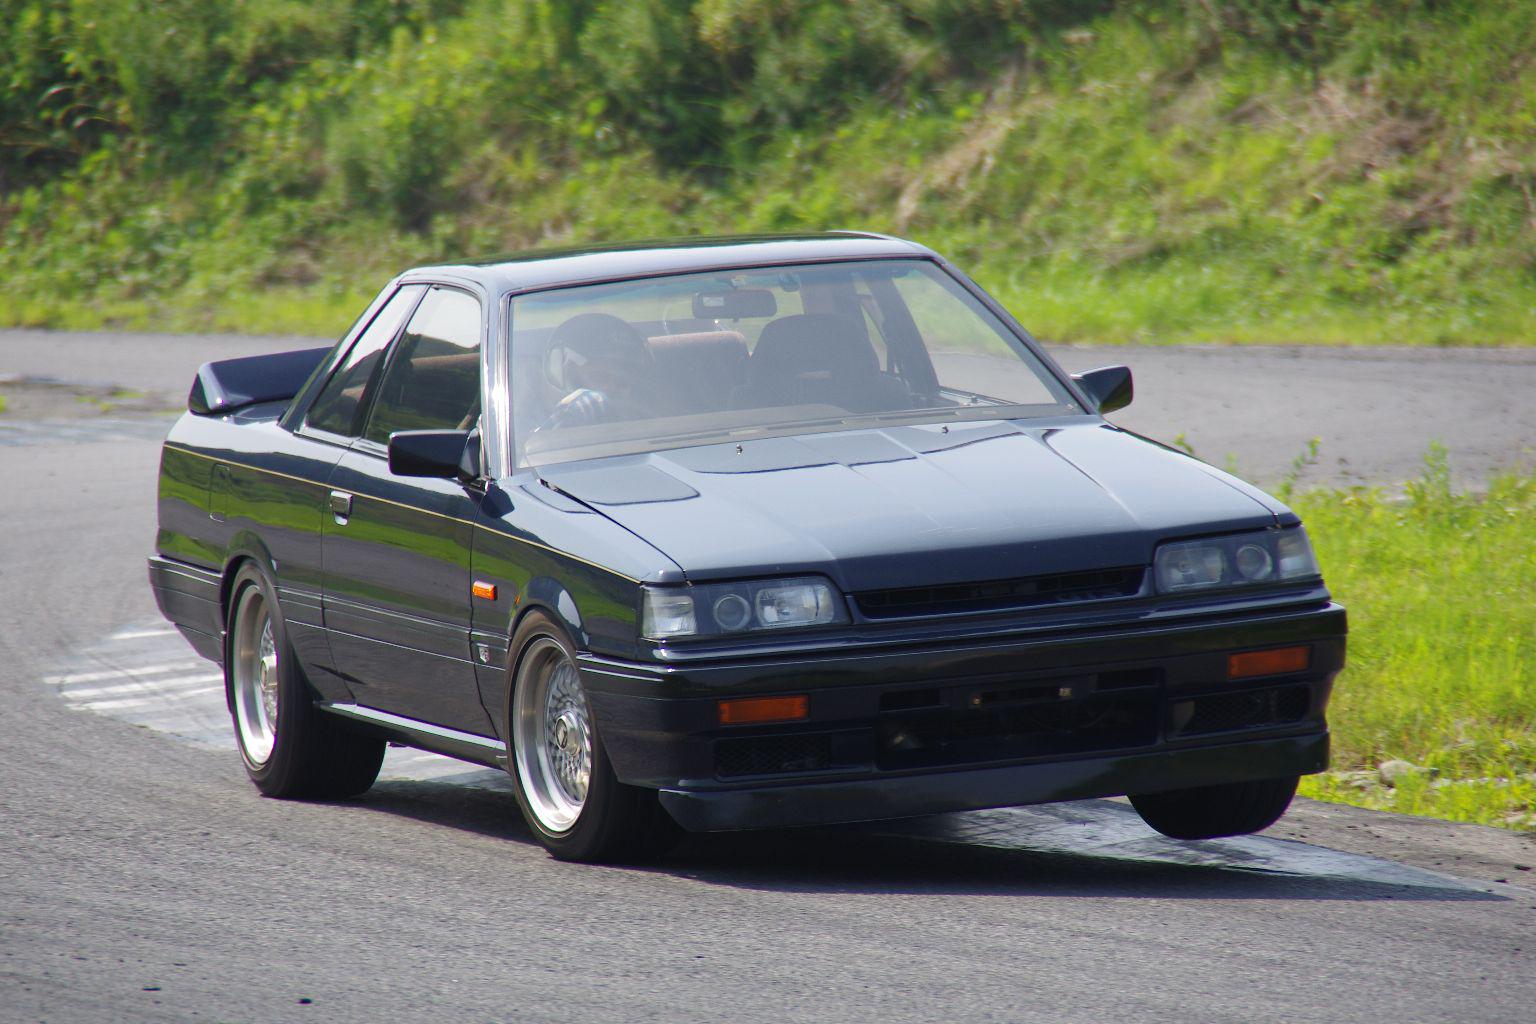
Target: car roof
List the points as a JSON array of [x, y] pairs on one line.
[[555, 268]]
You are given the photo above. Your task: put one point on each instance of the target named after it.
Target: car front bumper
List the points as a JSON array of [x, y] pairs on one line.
[[896, 730]]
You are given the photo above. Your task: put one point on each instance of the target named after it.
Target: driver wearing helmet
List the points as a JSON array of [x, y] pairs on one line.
[[601, 363]]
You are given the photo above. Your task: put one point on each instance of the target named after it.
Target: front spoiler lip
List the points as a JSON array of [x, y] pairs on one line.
[[876, 799]]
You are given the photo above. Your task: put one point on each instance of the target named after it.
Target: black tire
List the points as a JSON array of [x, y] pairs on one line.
[[610, 822], [289, 747], [1210, 812]]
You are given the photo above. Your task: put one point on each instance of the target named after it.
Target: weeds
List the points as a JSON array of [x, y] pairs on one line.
[[112, 399], [1441, 591], [1298, 466]]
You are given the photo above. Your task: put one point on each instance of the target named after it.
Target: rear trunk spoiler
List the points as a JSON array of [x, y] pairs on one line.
[[229, 384]]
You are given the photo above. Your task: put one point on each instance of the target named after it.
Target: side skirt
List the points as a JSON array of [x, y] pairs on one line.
[[465, 746]]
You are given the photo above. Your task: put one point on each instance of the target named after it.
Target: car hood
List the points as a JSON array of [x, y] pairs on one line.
[[916, 505]]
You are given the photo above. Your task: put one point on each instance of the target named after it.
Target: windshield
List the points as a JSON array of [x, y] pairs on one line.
[[638, 366]]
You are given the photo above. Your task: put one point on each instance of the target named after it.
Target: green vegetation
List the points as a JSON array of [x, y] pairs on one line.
[[1441, 591], [1148, 170]]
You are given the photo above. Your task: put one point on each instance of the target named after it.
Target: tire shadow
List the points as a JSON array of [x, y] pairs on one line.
[[881, 863]]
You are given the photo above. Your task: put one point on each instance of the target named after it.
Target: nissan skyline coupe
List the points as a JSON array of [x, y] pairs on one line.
[[734, 533]]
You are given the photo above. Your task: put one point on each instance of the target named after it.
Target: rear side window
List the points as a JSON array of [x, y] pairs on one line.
[[339, 406], [433, 380]]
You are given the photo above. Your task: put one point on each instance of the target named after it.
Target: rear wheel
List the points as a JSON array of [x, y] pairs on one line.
[[1210, 812], [573, 803], [289, 747]]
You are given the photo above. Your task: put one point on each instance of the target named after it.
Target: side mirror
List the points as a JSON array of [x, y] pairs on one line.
[[1108, 388], [445, 454]]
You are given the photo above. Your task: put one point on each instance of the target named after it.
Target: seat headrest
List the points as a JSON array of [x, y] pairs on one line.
[[829, 343]]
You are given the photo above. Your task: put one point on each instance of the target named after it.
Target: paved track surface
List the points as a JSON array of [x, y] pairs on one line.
[[141, 878], [1374, 412]]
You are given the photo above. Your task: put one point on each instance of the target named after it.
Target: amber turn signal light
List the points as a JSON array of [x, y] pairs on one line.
[[1273, 662], [483, 590], [755, 710]]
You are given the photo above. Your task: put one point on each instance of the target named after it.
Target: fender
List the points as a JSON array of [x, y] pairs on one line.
[[546, 596], [308, 638], [551, 597], [245, 545]]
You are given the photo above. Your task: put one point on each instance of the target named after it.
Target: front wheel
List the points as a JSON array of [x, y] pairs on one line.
[[575, 806], [1210, 812], [289, 747]]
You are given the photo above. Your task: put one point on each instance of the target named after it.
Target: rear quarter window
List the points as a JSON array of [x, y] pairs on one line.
[[339, 406], [433, 380]]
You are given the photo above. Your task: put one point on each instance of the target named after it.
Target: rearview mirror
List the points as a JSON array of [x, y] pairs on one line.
[[735, 304], [1108, 387], [445, 454]]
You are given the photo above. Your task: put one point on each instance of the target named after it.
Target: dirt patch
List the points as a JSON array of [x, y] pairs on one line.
[[41, 398], [1493, 855]]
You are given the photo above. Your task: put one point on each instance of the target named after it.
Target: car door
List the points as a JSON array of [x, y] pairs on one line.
[[284, 502], [396, 549]]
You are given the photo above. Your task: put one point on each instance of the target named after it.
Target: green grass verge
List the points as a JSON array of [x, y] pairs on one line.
[[1441, 591]]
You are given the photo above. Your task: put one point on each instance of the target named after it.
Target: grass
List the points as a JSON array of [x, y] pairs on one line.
[[1441, 591]]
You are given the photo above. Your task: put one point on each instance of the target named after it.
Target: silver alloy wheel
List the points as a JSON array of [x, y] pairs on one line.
[[551, 735], [254, 674]]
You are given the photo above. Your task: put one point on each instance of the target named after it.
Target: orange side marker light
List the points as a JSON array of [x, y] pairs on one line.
[[485, 591], [1274, 662], [756, 710]]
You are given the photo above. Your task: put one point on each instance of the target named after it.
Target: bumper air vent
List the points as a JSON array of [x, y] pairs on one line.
[[772, 755], [1001, 731], [1249, 709], [1001, 595]]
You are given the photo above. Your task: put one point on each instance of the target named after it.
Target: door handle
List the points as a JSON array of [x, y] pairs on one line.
[[341, 506]]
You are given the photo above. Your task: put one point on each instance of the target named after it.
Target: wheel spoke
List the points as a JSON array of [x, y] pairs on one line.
[[255, 676], [552, 735]]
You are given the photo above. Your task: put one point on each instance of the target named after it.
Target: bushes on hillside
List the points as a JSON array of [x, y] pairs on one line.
[[1198, 168]]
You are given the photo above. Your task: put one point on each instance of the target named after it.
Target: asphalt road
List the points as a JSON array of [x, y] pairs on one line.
[[141, 877]]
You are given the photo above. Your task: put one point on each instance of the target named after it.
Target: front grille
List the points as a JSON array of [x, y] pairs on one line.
[[1246, 709], [772, 755], [998, 595]]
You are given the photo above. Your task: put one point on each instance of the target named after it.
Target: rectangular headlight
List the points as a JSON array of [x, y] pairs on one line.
[[1295, 555], [668, 613], [1238, 559], [802, 603], [716, 609]]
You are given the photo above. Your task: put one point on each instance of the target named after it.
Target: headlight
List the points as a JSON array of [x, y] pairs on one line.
[[1263, 556], [718, 608]]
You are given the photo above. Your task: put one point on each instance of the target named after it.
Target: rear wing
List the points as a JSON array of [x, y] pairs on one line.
[[229, 384]]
